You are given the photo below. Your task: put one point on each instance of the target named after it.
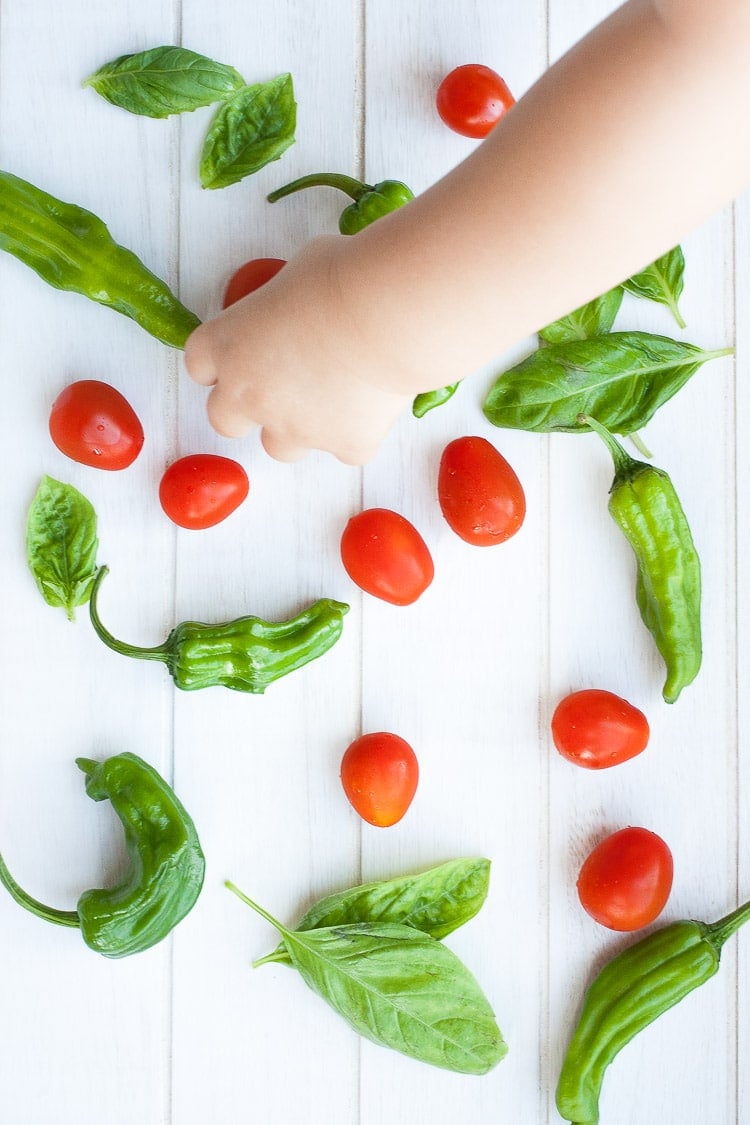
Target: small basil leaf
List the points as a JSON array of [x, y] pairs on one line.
[[621, 379], [255, 126], [595, 318], [661, 281], [428, 400], [402, 989], [61, 544], [163, 81]]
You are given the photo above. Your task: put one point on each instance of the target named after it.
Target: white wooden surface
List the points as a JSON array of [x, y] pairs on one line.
[[188, 1033]]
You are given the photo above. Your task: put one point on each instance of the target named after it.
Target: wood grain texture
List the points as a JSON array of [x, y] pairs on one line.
[[188, 1033]]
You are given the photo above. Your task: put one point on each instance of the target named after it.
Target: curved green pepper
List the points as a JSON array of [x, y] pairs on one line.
[[630, 992], [645, 506], [246, 654], [166, 863], [70, 248], [371, 201]]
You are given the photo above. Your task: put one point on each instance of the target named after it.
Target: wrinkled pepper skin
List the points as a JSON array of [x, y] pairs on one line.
[[246, 654], [166, 869], [630, 992], [70, 248], [371, 201], [645, 506]]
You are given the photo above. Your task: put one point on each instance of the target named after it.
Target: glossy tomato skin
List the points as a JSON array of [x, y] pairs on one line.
[[92, 423], [380, 773], [625, 881], [472, 98], [202, 489], [479, 493], [384, 554], [250, 277], [597, 729]]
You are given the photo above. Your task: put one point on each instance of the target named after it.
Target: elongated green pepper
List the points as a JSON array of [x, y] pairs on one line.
[[246, 654], [371, 201], [630, 992], [645, 506], [166, 863], [70, 248]]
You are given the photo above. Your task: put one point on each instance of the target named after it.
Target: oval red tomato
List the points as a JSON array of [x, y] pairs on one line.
[[92, 423], [379, 773], [472, 99], [479, 493], [202, 489], [386, 556], [626, 880], [597, 729], [250, 277]]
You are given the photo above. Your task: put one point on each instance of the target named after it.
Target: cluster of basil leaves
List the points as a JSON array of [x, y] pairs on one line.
[[253, 125]]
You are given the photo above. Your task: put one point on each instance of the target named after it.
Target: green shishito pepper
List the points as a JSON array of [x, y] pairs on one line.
[[166, 863], [630, 992], [371, 201], [645, 506], [70, 248], [246, 654]]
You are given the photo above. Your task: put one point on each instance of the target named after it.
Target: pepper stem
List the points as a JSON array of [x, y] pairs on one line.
[[157, 653], [624, 463], [718, 932], [49, 913], [355, 189]]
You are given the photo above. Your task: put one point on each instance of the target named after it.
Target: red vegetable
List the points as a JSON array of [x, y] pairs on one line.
[[379, 773], [386, 556], [479, 493], [250, 277], [472, 99], [597, 729], [201, 490], [626, 880], [92, 423]]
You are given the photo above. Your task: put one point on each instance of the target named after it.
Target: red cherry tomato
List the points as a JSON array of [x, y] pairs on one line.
[[386, 556], [479, 493], [379, 773], [472, 99], [250, 277], [92, 423], [597, 729], [625, 881], [201, 490]]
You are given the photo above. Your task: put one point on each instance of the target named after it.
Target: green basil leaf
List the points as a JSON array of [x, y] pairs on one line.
[[621, 379], [661, 281], [595, 318], [163, 81], [255, 126], [61, 544], [436, 901]]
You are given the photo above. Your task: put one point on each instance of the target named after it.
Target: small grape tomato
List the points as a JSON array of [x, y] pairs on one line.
[[250, 277], [471, 100], [597, 729], [92, 423], [624, 883], [379, 773], [202, 489], [384, 554]]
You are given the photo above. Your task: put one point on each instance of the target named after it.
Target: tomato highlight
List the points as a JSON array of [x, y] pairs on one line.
[[202, 489], [379, 774], [625, 882], [95, 425], [384, 554]]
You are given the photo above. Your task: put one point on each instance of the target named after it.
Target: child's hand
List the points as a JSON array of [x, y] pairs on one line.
[[287, 359]]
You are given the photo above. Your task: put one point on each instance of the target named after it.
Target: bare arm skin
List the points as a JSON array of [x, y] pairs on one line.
[[619, 150]]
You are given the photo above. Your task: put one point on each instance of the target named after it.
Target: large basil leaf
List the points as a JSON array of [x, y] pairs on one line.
[[61, 544], [661, 281], [163, 81], [436, 901], [251, 129], [595, 318], [621, 379]]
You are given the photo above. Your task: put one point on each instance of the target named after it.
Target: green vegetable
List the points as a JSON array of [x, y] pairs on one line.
[[166, 863], [398, 987], [72, 249], [645, 506], [253, 127], [428, 400], [61, 544], [661, 281], [246, 654], [436, 902], [163, 81], [595, 318], [630, 992], [371, 201], [621, 379]]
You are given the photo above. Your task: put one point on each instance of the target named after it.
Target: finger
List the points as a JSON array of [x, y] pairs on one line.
[[225, 416], [280, 449], [198, 360]]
